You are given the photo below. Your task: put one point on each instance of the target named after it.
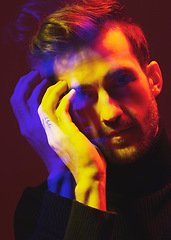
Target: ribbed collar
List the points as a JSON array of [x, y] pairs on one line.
[[146, 175]]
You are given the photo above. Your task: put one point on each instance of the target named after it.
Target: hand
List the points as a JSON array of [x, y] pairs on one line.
[[74, 149], [25, 101]]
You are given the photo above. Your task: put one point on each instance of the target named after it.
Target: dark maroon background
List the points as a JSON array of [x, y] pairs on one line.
[[20, 166]]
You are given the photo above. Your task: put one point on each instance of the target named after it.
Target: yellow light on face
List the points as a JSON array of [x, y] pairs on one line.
[[85, 66]]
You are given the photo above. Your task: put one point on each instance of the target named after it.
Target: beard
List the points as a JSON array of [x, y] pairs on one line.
[[122, 152]]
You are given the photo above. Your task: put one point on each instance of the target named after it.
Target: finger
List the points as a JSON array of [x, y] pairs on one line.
[[62, 112], [52, 97], [18, 102], [23, 78], [37, 95], [14, 96], [25, 86]]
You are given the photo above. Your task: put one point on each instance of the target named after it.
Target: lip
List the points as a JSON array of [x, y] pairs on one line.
[[119, 132]]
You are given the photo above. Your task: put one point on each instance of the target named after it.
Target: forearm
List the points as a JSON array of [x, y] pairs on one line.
[[92, 192], [63, 184]]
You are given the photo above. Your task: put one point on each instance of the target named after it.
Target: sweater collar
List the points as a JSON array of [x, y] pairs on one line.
[[146, 175]]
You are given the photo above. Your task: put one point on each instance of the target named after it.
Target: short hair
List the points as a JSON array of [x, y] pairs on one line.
[[77, 24], [54, 27]]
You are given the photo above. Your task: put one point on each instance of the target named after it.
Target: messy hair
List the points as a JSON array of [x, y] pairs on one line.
[[77, 24], [55, 27]]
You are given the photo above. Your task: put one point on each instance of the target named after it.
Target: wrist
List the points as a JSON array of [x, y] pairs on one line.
[[62, 184], [55, 166], [53, 181], [92, 191]]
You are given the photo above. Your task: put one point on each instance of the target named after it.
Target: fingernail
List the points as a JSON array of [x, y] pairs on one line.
[[72, 93]]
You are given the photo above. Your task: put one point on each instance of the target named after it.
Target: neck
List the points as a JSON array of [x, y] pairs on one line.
[[147, 174]]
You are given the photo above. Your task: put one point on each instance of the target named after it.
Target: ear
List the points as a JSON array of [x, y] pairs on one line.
[[155, 78]]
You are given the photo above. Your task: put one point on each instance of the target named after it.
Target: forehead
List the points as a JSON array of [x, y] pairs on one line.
[[112, 40], [109, 52]]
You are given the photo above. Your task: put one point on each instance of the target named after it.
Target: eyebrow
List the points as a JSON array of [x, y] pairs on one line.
[[120, 72], [110, 75]]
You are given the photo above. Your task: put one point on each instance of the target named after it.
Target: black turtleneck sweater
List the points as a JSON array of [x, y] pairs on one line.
[[138, 203]]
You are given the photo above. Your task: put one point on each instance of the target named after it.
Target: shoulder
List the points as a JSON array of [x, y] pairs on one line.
[[28, 210]]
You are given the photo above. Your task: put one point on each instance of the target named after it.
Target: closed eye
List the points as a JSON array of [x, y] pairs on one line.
[[123, 80], [119, 79]]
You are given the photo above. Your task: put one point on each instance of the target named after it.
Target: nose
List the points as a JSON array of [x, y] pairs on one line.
[[108, 108]]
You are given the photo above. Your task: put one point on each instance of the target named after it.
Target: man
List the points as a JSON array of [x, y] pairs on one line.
[[109, 170]]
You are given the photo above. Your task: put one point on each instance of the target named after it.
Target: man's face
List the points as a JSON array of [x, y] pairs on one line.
[[114, 105]]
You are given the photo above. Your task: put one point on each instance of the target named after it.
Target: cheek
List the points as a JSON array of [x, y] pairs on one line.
[[80, 103], [86, 118], [137, 101], [79, 112]]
